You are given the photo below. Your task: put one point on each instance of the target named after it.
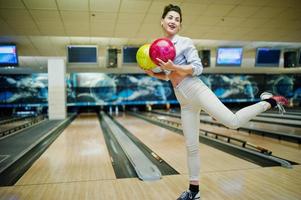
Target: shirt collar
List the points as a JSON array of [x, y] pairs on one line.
[[175, 39]]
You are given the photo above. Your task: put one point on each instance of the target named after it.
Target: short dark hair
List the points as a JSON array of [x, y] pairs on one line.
[[171, 7]]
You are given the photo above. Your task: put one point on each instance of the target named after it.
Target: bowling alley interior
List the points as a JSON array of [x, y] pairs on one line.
[[83, 116]]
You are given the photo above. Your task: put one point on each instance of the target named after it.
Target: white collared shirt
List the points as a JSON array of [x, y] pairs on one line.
[[187, 54]]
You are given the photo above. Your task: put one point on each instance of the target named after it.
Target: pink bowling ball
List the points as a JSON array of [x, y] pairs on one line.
[[163, 49]]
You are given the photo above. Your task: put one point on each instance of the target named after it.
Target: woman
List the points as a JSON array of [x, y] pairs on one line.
[[193, 95]]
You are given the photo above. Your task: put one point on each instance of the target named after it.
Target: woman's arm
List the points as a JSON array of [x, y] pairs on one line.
[[181, 69], [184, 69], [193, 64], [160, 75]]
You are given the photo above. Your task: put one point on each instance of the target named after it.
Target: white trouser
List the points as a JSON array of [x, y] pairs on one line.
[[193, 95]]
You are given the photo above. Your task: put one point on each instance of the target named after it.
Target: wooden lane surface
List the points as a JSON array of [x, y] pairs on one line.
[[78, 154], [268, 126], [259, 183], [171, 147], [276, 127], [284, 149], [230, 184]]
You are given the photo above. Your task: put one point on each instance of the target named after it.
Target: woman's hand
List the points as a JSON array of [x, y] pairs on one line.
[[169, 65], [183, 70]]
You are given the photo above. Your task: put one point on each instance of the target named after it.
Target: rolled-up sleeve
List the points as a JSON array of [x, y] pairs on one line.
[[192, 57]]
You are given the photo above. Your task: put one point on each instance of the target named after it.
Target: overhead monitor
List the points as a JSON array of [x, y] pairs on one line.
[[129, 54], [229, 56], [267, 57], [8, 55], [82, 54]]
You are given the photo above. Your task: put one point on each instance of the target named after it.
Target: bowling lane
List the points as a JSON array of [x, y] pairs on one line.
[[287, 150], [271, 183], [284, 116], [171, 147], [267, 126], [78, 154], [252, 124]]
